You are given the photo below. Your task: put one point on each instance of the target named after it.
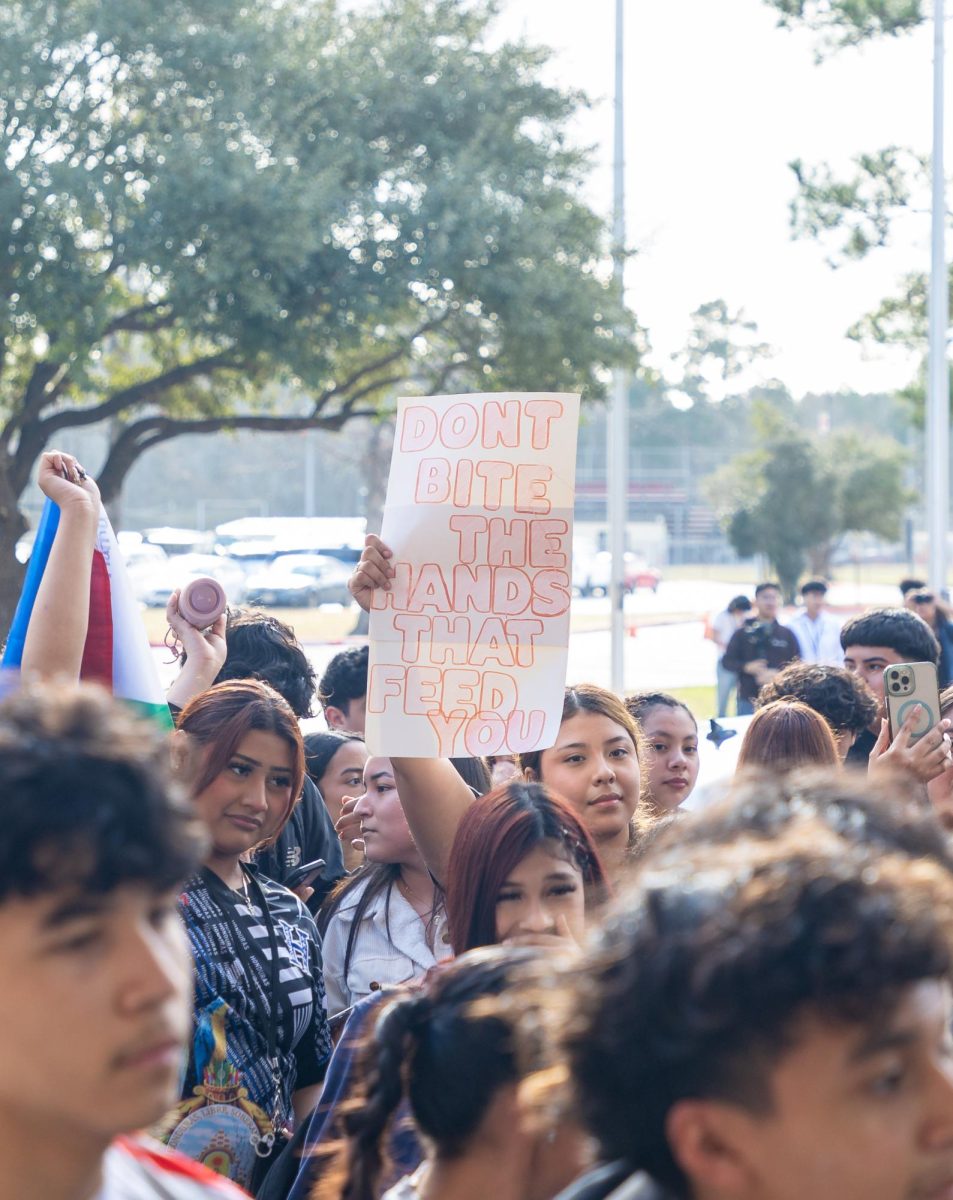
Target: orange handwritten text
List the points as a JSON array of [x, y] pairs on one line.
[[460, 425]]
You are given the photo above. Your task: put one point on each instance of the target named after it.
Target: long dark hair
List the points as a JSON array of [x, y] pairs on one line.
[[496, 833], [376, 879], [446, 1053]]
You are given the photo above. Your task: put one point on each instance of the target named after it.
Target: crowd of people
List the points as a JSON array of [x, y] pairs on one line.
[[753, 645], [315, 973]]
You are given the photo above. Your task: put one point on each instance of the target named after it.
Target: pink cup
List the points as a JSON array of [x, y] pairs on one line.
[[202, 602]]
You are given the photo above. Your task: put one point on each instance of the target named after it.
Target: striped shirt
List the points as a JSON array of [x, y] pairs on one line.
[[234, 1002]]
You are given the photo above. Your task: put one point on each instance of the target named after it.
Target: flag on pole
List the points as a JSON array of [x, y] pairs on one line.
[[116, 653]]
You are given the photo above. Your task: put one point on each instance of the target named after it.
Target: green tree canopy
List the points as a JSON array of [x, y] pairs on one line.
[[795, 495], [850, 22], [720, 348], [856, 213], [273, 216]]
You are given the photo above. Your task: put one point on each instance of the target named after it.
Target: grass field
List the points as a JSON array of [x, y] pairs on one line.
[[701, 700]]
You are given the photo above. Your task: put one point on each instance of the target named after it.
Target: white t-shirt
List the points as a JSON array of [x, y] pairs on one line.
[[819, 639], [723, 626], [391, 947], [409, 1187], [140, 1169]]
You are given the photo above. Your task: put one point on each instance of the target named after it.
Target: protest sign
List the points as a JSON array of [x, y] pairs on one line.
[[469, 647]]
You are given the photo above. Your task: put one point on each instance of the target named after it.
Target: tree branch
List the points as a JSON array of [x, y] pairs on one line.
[[152, 431], [384, 361], [134, 320], [42, 386], [147, 391]]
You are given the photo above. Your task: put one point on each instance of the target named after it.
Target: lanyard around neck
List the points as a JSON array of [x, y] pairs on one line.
[[224, 898]]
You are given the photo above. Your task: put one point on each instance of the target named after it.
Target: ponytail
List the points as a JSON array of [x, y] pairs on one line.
[[388, 1057]]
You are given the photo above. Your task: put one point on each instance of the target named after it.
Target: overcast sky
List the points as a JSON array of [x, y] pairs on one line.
[[718, 101]]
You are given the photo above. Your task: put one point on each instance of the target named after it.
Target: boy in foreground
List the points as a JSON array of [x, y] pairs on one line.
[[767, 1017], [97, 979]]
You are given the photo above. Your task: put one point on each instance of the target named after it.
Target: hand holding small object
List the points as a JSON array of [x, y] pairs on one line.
[[925, 758]]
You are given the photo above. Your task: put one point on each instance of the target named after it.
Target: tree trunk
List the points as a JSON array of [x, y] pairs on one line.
[[12, 526], [820, 560]]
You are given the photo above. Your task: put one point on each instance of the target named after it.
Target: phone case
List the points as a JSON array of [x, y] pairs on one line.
[[909, 684]]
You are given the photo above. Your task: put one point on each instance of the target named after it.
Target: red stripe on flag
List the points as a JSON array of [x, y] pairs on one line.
[[98, 651]]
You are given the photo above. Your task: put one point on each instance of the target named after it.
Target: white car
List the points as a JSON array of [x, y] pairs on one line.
[[154, 587]]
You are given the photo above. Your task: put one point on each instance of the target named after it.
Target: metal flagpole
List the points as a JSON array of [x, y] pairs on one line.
[[938, 391], [618, 424]]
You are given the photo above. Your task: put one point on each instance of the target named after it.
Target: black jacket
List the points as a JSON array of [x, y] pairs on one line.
[[775, 643], [307, 836]]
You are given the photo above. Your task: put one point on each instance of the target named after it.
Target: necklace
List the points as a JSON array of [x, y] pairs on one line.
[[243, 891], [412, 896]]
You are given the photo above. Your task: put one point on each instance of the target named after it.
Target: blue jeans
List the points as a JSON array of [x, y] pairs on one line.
[[745, 707], [727, 682]]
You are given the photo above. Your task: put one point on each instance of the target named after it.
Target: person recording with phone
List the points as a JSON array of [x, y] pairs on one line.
[[873, 642], [760, 648]]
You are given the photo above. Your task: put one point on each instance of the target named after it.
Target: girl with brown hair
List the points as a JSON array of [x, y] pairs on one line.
[[260, 1038]]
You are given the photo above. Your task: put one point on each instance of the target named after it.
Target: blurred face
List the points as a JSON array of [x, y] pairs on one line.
[[246, 804], [925, 608], [542, 897], [595, 767], [349, 718], [383, 825], [502, 769], [673, 765], [767, 604], [813, 604], [843, 741], [868, 662], [343, 776], [95, 1009], [857, 1111]]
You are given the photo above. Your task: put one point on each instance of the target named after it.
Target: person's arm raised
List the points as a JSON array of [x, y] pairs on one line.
[[432, 794], [434, 799], [56, 634]]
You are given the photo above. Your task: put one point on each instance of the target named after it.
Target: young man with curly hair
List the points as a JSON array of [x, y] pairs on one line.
[[343, 690], [96, 1001], [842, 699], [767, 1015]]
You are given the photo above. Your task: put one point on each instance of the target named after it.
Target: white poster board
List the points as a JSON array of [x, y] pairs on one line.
[[468, 649]]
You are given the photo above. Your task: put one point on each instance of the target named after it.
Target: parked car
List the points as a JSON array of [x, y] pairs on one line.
[[299, 581], [153, 587], [591, 574], [176, 541]]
